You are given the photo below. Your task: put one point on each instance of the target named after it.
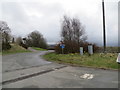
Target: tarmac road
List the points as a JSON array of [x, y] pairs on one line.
[[23, 60], [66, 77], [52, 75]]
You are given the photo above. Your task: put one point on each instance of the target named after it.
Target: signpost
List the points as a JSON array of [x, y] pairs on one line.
[[62, 46]]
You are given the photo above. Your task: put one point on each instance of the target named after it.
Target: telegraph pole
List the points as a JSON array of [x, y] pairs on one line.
[[104, 34]]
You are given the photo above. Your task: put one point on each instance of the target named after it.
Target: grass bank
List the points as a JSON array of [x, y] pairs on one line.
[[40, 49], [15, 49], [110, 49], [97, 60]]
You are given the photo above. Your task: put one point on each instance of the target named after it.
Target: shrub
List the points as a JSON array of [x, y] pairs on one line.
[[96, 48], [74, 48], [58, 49], [36, 39], [24, 46], [6, 46], [19, 41]]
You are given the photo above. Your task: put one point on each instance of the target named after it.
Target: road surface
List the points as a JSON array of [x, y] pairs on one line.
[[22, 60], [29, 70]]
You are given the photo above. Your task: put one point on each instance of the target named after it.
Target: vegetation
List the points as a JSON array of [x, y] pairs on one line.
[[110, 49], [15, 49], [40, 49], [73, 36], [5, 33], [98, 60], [35, 39], [20, 42]]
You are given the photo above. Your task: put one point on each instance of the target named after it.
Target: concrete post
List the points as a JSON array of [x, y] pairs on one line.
[[90, 49], [81, 50]]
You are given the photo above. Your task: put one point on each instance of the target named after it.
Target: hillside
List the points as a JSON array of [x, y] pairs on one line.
[[15, 49]]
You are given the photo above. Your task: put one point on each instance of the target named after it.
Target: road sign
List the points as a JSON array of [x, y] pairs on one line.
[[62, 46]]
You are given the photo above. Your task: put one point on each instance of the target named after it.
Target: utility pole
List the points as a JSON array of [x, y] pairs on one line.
[[104, 34]]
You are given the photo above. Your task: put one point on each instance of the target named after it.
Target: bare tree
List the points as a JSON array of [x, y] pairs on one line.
[[72, 34]]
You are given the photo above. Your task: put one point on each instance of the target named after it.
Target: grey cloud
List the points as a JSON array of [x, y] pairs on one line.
[[16, 14]]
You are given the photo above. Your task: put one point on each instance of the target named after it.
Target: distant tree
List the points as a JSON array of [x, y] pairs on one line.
[[36, 39], [5, 32], [73, 33]]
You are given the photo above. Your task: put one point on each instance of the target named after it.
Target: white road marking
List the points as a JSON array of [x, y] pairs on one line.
[[87, 76]]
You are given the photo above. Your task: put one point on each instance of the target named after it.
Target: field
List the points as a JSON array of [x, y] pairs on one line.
[[97, 60], [40, 49], [110, 49], [15, 49]]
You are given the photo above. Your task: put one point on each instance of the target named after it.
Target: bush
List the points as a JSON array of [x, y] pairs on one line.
[[96, 48], [69, 48], [19, 41], [6, 46], [74, 48], [85, 47], [58, 49], [24, 46], [36, 39]]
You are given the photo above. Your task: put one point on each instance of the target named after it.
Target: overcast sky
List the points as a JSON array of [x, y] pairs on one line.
[[25, 16]]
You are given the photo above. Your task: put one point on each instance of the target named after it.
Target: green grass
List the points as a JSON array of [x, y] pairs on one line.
[[97, 60], [15, 49], [40, 49]]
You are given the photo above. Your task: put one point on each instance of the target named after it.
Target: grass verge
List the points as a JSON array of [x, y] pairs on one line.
[[40, 49], [15, 49], [97, 60]]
